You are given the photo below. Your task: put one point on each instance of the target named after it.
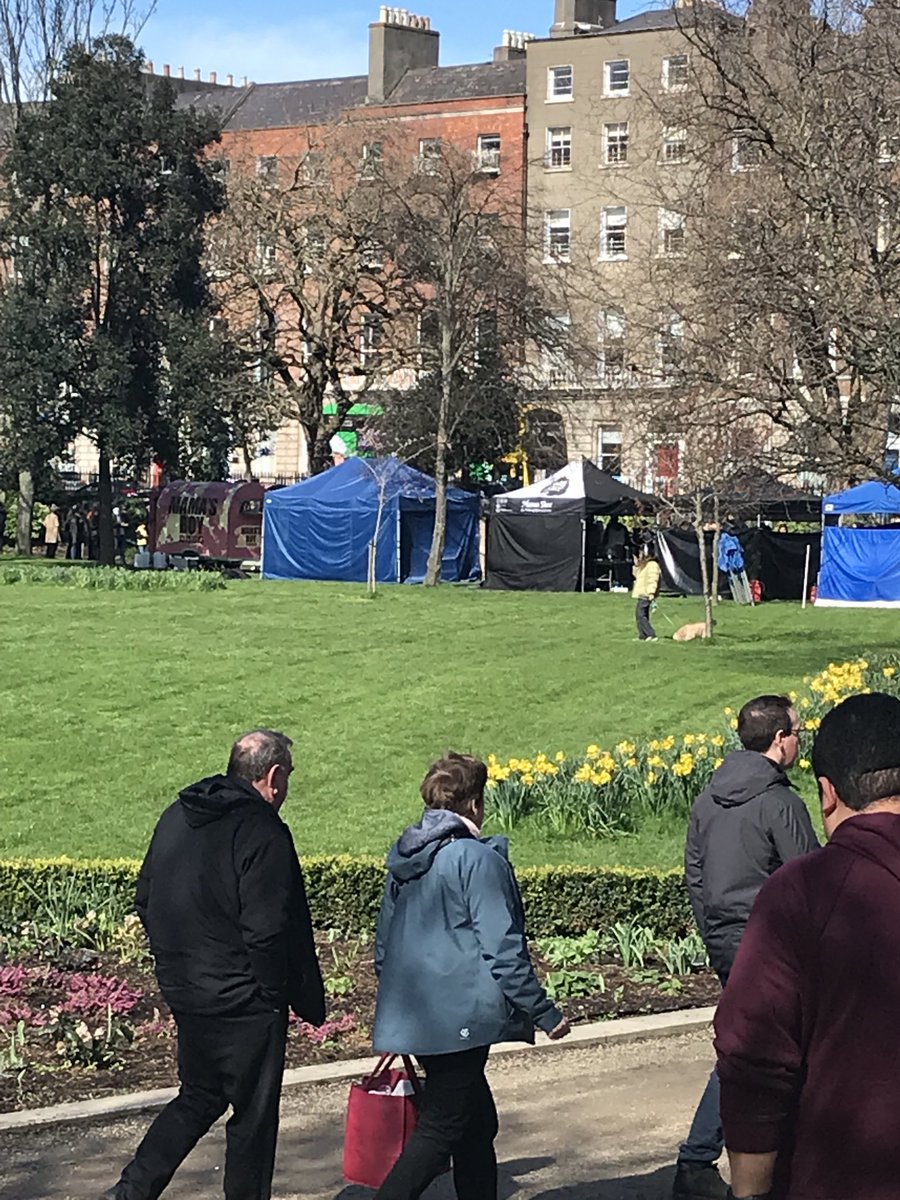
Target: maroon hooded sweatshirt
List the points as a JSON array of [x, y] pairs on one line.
[[808, 1028]]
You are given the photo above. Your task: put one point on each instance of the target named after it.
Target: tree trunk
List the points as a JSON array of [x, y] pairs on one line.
[[439, 537], [107, 549], [24, 512], [715, 554], [704, 573]]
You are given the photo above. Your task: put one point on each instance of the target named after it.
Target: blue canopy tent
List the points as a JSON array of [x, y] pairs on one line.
[[860, 567], [322, 528]]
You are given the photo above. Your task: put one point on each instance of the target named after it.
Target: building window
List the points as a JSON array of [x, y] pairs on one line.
[[558, 235], [488, 231], [430, 153], [674, 145], [312, 166], [372, 160], [315, 244], [558, 371], [266, 252], [486, 336], [371, 336], [560, 83], [487, 156], [611, 348], [671, 232], [670, 346], [615, 144], [675, 72], [559, 148], [609, 449], [616, 77], [371, 255], [745, 153], [267, 167], [614, 232]]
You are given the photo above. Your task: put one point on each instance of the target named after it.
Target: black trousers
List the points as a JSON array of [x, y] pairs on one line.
[[642, 617], [458, 1121], [50, 549], [221, 1061]]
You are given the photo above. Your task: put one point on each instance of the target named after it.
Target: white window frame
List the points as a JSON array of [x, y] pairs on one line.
[[671, 333], [372, 160], [557, 369], [617, 141], [737, 163], [267, 167], [370, 353], [667, 83], [611, 332], [671, 222], [431, 152], [266, 252], [613, 218], [487, 153], [674, 146], [555, 221], [608, 89], [609, 435], [558, 97], [558, 148]]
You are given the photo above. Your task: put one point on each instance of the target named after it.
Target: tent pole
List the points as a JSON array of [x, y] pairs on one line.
[[583, 549], [399, 556], [806, 577], [262, 538]]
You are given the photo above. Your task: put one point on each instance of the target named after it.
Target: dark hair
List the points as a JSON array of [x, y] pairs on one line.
[[760, 719], [454, 782], [857, 748], [255, 754]]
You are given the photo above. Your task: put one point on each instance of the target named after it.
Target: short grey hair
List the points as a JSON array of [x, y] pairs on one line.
[[255, 754]]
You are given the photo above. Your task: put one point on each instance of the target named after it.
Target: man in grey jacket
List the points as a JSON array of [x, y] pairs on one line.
[[747, 823]]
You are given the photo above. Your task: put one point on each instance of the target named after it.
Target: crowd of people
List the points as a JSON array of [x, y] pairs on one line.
[[78, 531], [805, 940]]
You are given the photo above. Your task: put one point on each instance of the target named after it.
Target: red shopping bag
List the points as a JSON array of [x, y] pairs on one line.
[[379, 1124]]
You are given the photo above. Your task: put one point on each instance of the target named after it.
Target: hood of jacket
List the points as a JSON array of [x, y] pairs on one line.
[[413, 853], [875, 836], [744, 775], [212, 798]]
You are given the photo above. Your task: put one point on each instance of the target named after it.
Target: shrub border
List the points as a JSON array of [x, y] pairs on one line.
[[345, 893]]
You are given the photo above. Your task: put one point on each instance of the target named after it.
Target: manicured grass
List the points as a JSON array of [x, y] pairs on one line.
[[109, 702]]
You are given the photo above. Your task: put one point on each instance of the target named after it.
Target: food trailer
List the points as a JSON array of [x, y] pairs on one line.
[[220, 522]]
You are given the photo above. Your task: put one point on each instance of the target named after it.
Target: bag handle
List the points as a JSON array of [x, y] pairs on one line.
[[386, 1062]]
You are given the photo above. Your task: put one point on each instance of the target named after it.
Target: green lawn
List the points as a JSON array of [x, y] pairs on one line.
[[109, 702]]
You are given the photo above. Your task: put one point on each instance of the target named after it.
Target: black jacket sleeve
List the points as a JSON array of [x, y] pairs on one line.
[[791, 829], [306, 991], [142, 891], [693, 873]]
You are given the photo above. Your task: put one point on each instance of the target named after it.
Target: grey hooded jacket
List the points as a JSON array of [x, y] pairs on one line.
[[747, 824], [451, 955]]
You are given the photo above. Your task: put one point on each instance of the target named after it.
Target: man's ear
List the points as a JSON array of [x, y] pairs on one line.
[[828, 797]]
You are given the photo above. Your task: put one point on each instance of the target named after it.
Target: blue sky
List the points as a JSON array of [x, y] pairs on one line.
[[311, 39]]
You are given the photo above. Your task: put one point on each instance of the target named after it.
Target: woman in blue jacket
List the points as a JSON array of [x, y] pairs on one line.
[[455, 977]]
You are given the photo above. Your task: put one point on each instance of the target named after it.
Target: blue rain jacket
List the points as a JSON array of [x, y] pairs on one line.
[[451, 956]]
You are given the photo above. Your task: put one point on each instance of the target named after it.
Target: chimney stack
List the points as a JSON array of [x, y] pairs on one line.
[[213, 77], [167, 71], [229, 81], [582, 16], [243, 81], [512, 46], [181, 72], [197, 74], [149, 66], [399, 42]]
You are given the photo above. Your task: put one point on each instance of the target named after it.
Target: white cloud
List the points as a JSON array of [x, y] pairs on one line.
[[303, 48]]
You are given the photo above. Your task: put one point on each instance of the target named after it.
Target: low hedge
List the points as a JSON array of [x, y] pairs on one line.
[[345, 893]]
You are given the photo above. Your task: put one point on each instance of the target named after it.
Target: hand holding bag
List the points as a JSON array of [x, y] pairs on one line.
[[381, 1116]]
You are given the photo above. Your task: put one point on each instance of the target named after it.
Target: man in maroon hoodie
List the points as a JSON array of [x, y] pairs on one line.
[[807, 1030]]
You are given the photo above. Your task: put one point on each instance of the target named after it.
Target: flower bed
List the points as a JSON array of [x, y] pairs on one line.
[[606, 793]]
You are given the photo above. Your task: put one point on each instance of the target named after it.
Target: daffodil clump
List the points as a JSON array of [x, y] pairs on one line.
[[603, 793]]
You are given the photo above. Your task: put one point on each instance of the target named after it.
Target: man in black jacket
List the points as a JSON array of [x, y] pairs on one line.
[[222, 898], [745, 825]]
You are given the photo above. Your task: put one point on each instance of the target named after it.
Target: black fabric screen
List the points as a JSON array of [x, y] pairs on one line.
[[528, 550], [679, 558], [777, 560]]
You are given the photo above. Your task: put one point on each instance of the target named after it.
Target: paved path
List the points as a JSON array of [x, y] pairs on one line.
[[586, 1124]]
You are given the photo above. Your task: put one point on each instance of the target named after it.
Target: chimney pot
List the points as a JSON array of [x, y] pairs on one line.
[[213, 77], [229, 81], [197, 74], [167, 70], [180, 72], [243, 81]]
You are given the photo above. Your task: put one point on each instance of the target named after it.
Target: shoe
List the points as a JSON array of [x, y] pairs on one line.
[[698, 1181], [653, 639], [112, 1194]]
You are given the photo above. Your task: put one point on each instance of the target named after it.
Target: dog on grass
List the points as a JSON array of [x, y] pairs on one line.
[[690, 633]]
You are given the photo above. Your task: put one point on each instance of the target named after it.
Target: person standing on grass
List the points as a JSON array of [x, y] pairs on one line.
[[454, 977], [51, 532], [743, 827], [2, 524], [222, 898], [807, 1028], [647, 578]]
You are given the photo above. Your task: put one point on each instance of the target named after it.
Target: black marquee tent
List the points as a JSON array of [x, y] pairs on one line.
[[537, 535]]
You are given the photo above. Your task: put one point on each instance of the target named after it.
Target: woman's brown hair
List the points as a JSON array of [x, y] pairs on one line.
[[455, 782]]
